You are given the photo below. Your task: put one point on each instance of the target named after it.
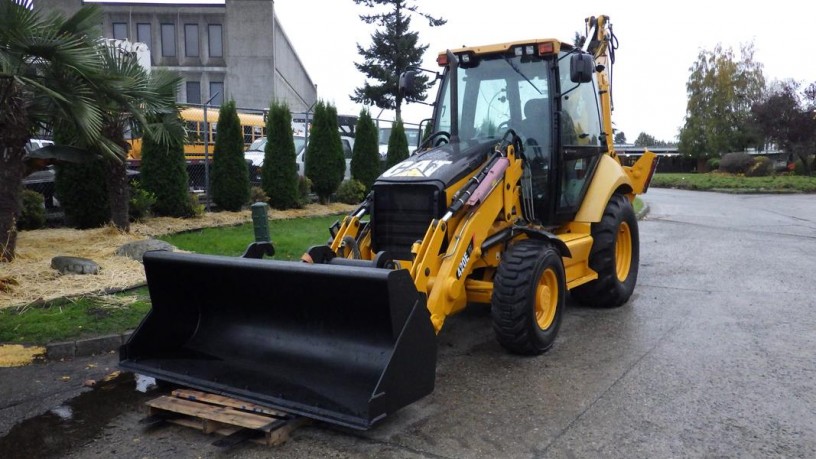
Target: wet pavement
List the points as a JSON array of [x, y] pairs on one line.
[[713, 356]]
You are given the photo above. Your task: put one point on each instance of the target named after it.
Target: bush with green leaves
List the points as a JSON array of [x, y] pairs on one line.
[[32, 211], [82, 191], [163, 172], [230, 176], [351, 192], [365, 158], [736, 163], [713, 164], [304, 191], [397, 145], [141, 202], [279, 177], [761, 167], [325, 162]]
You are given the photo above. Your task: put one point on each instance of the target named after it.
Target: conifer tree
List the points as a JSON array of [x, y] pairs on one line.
[[365, 158], [279, 177], [230, 176], [397, 145], [325, 164]]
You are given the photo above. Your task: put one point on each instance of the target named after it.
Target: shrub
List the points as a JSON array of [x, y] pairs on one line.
[[195, 205], [163, 173], [713, 164], [279, 177], [325, 162], [397, 145], [761, 167], [365, 158], [304, 191], [351, 192], [257, 194], [736, 163], [32, 211], [140, 203], [82, 191], [230, 176]]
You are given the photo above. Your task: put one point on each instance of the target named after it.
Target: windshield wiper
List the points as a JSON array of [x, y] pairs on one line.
[[515, 67]]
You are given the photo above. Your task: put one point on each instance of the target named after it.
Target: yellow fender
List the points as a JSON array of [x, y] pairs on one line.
[[609, 177]]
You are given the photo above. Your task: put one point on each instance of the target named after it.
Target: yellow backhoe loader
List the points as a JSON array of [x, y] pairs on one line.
[[515, 197]]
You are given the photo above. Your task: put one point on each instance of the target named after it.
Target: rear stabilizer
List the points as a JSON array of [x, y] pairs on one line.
[[347, 345]]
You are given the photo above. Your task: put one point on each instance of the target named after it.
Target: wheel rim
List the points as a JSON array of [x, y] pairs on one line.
[[623, 251], [546, 299]]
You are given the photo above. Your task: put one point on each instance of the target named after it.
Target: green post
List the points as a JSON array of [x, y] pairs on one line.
[[260, 222]]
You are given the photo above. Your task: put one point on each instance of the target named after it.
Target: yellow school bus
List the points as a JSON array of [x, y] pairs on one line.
[[252, 124]]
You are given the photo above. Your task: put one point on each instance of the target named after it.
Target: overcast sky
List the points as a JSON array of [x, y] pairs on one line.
[[659, 41]]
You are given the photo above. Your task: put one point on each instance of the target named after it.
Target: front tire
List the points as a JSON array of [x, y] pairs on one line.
[[528, 297], [615, 256]]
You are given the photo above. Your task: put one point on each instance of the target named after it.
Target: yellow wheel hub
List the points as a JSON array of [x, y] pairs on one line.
[[546, 299], [623, 251]]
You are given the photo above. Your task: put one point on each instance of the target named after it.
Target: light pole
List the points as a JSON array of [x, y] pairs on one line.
[[207, 152]]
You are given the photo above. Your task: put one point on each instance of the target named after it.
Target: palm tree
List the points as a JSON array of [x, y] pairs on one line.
[[129, 97], [49, 68]]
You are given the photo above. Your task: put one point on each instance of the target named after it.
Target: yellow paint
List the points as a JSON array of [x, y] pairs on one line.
[[609, 177], [16, 355]]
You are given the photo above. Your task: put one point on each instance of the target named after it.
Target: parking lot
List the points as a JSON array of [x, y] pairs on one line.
[[713, 356]]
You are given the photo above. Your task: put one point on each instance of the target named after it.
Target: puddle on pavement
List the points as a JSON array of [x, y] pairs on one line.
[[74, 423]]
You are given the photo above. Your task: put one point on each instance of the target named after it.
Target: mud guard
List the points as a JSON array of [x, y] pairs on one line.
[[346, 345]]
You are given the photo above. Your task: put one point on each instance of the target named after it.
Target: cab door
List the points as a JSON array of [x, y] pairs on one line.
[[581, 141]]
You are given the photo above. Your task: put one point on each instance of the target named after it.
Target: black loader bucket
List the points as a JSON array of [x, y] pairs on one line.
[[347, 345]]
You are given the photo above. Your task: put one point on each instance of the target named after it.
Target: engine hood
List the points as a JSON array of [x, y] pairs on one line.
[[441, 166]]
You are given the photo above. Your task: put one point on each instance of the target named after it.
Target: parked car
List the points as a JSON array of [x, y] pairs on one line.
[[255, 152], [42, 180], [411, 134], [348, 147]]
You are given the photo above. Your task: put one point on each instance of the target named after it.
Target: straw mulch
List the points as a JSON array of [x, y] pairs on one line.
[[30, 278]]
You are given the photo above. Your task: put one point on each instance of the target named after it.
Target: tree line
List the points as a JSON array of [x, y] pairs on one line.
[[731, 108]]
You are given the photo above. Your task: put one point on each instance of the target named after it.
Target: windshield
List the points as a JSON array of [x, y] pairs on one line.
[[411, 134], [498, 93], [260, 144]]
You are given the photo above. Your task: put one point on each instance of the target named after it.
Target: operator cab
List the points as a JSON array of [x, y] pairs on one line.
[[546, 93]]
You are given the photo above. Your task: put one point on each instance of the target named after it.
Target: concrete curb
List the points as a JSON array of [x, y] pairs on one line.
[[86, 347], [109, 343]]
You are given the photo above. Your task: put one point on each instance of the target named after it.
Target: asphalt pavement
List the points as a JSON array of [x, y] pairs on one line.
[[714, 356]]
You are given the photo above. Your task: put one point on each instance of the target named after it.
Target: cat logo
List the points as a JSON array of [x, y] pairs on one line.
[[424, 168]]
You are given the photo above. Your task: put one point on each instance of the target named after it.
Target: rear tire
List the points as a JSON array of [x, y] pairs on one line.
[[615, 256], [528, 297]]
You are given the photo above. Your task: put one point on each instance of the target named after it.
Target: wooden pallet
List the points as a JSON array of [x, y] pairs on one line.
[[235, 420]]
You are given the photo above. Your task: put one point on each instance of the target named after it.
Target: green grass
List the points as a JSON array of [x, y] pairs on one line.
[[638, 205], [291, 237], [75, 318], [736, 183]]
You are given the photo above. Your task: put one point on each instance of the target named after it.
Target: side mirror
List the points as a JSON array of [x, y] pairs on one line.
[[581, 68], [406, 82]]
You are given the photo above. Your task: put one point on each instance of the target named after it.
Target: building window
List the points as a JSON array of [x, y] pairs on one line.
[[143, 34], [193, 92], [191, 40], [216, 46], [120, 31], [168, 38], [217, 87]]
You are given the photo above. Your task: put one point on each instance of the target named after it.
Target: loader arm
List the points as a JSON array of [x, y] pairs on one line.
[[443, 276]]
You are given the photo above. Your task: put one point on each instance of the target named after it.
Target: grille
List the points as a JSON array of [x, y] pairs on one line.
[[401, 216]]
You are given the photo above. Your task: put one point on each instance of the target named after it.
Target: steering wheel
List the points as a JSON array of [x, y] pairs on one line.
[[442, 138]]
